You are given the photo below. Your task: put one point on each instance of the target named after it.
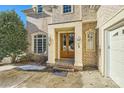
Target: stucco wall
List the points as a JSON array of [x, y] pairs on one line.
[[88, 13], [80, 12], [58, 16], [40, 23], [106, 16]]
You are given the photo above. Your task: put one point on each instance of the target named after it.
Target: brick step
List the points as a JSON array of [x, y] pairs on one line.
[[63, 69]]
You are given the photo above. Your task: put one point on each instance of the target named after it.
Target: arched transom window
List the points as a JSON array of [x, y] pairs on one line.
[[39, 43]]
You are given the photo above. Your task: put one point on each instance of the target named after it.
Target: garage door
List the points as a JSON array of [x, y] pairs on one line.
[[117, 56]]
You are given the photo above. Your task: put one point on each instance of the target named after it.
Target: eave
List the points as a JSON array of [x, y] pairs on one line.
[[33, 13]]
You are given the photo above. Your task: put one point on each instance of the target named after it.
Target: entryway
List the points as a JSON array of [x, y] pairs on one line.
[[65, 49], [55, 46]]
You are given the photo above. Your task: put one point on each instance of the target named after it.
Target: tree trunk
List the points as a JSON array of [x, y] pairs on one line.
[[13, 58]]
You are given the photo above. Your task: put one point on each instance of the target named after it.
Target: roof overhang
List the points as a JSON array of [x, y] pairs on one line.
[[32, 12]]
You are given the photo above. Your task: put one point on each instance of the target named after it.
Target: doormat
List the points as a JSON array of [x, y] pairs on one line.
[[60, 73]]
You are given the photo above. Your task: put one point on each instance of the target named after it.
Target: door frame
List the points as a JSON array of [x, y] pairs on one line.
[[107, 53]]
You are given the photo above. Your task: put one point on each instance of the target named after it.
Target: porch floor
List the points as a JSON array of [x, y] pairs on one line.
[[66, 64], [69, 61]]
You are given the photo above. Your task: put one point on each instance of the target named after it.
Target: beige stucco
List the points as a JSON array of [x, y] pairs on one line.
[[58, 16], [40, 23], [52, 47], [80, 12], [87, 13]]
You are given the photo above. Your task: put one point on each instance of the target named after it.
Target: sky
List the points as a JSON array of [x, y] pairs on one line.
[[18, 9]]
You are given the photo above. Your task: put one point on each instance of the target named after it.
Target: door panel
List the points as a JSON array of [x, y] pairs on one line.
[[67, 45], [63, 47], [117, 56]]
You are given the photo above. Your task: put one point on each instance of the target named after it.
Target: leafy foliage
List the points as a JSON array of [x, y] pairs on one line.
[[13, 36]]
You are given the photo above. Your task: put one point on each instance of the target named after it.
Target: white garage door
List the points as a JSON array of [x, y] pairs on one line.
[[117, 56]]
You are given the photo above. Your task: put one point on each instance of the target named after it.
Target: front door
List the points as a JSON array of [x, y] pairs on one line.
[[67, 45]]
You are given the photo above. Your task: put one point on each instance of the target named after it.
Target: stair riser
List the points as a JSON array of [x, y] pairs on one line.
[[64, 67], [70, 70]]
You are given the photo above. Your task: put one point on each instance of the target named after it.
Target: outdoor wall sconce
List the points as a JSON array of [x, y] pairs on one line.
[[49, 40], [78, 41]]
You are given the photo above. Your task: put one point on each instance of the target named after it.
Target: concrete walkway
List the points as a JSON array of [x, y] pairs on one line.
[[6, 67], [33, 79], [93, 79]]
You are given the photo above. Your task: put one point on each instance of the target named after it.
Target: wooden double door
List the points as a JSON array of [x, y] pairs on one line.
[[67, 45]]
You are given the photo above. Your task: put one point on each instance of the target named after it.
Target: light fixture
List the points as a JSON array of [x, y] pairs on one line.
[[78, 38], [78, 41]]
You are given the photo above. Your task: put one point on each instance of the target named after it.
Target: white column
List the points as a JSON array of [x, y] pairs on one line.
[[78, 44], [51, 47]]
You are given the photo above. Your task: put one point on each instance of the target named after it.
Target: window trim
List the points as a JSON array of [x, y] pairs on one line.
[[33, 38], [72, 10]]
